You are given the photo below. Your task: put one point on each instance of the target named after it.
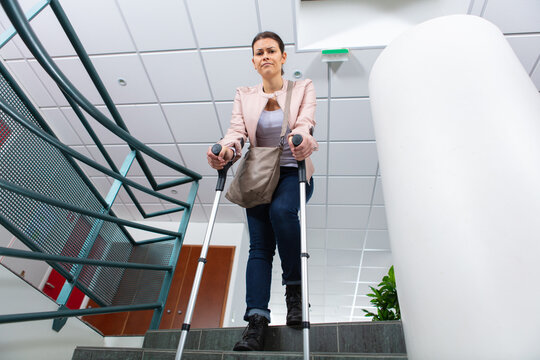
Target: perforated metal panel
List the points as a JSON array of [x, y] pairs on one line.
[[31, 163]]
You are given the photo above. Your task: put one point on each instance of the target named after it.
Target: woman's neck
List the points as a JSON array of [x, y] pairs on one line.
[[272, 85]]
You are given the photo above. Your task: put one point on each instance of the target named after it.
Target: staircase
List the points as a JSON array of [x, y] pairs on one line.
[[337, 341]]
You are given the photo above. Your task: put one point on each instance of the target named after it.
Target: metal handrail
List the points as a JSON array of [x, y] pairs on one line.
[[117, 127], [25, 31], [67, 150]]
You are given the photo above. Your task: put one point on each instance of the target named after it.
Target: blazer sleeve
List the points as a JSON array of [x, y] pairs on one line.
[[237, 133], [305, 121]]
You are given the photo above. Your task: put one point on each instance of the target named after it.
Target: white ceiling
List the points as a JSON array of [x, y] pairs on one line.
[[182, 61]]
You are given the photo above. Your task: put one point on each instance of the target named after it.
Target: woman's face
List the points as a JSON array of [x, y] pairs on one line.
[[267, 58]]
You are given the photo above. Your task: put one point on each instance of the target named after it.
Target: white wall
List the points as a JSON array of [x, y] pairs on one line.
[[36, 339]]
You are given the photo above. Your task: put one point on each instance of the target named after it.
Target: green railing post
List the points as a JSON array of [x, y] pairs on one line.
[[167, 281]]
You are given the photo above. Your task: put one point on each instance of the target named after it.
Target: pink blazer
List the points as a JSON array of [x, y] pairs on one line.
[[249, 103]]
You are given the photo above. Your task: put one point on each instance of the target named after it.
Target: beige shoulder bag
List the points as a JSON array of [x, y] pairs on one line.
[[258, 173]]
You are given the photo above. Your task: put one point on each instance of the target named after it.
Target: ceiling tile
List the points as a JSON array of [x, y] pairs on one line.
[[316, 216], [317, 257], [338, 257], [373, 274], [229, 69], [350, 190], [319, 159], [351, 77], [309, 64], [88, 170], [158, 25], [193, 122], [378, 240], [51, 35], [179, 192], [378, 197], [378, 218], [214, 29], [30, 82], [198, 214], [122, 212], [60, 126], [111, 34], [228, 213], [112, 68], [350, 119], [207, 190], [316, 238], [317, 273], [373, 258], [347, 217], [345, 239], [339, 287], [146, 122], [536, 77], [224, 111], [117, 153], [157, 168], [476, 7], [104, 135], [278, 16], [177, 76], [9, 51], [319, 191], [363, 155], [338, 300], [527, 49], [77, 125], [321, 119], [50, 85], [77, 75], [505, 15], [342, 273], [102, 184], [195, 158]]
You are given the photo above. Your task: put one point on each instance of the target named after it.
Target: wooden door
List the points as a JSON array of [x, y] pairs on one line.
[[211, 300]]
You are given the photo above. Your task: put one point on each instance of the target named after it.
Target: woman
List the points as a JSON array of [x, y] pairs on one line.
[[258, 115]]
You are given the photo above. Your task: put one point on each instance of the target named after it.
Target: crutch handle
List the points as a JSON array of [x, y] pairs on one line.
[[222, 174], [297, 140]]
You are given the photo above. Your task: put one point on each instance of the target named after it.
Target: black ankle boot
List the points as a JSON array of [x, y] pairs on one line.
[[293, 297], [253, 336]]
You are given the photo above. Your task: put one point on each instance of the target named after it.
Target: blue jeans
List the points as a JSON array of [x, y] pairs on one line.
[[271, 224]]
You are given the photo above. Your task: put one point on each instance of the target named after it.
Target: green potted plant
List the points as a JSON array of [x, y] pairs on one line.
[[385, 299]]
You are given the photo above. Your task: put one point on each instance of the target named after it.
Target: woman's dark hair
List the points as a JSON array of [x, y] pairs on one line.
[[269, 35]]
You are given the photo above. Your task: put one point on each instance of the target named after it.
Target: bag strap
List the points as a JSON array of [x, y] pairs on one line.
[[286, 111]]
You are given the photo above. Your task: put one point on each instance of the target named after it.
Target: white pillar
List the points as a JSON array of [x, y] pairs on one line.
[[457, 123]]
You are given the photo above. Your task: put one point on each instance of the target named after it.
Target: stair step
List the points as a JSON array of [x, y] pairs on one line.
[[90, 353], [361, 337]]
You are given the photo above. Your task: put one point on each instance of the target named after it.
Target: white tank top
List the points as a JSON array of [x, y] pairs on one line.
[[268, 131]]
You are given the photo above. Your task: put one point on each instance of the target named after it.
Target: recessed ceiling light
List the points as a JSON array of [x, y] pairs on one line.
[[122, 82]]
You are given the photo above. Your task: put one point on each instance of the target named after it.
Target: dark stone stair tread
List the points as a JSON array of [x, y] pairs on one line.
[[95, 353], [358, 337]]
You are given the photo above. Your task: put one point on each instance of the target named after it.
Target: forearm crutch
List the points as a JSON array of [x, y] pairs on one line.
[[222, 177], [297, 140]]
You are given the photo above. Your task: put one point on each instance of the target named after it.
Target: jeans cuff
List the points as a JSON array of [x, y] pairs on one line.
[[249, 312], [289, 282]]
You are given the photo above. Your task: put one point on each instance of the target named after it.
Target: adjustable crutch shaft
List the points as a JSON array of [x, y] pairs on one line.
[[297, 140], [222, 176]]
